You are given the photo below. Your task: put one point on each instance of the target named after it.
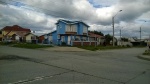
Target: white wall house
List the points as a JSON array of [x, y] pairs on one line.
[[30, 37]]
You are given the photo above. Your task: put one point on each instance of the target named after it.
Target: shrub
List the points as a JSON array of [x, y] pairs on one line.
[[128, 45], [147, 52], [63, 43]]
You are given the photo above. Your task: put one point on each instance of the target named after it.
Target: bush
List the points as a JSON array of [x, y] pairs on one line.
[[128, 45], [147, 52], [6, 43], [63, 43]]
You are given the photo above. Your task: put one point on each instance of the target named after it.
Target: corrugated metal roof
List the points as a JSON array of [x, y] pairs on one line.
[[71, 22], [15, 28]]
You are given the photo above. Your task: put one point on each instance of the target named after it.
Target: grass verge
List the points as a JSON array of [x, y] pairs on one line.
[[141, 57], [31, 46], [145, 55], [6, 43], [93, 48], [24, 45]]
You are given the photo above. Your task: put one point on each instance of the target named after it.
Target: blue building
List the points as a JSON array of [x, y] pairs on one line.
[[68, 31]]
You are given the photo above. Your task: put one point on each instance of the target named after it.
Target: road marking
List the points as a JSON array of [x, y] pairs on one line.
[[37, 78]]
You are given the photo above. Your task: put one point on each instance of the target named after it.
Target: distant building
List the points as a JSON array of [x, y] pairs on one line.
[[68, 31], [95, 37], [13, 33], [72, 33], [31, 38]]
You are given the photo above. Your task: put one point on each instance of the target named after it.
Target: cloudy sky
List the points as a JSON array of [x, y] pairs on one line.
[[41, 15]]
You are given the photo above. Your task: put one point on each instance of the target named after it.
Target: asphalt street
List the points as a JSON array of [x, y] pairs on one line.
[[28, 66]]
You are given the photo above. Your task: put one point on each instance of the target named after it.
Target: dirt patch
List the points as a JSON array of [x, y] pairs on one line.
[[15, 58], [65, 49]]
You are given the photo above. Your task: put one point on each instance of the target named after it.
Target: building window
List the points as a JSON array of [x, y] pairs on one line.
[[33, 37], [84, 38], [67, 27], [84, 29], [50, 38], [71, 28], [74, 28], [77, 38], [63, 38], [58, 36], [59, 26]]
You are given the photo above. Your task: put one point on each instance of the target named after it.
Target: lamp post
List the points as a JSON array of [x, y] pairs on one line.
[[113, 25], [141, 30]]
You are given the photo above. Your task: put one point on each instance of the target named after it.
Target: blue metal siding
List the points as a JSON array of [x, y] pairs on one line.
[[61, 28], [80, 29], [66, 39], [87, 31], [54, 37]]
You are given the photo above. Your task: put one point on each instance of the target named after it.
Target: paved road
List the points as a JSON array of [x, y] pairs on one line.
[[27, 66]]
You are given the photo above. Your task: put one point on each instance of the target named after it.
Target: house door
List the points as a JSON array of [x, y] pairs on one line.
[[69, 38], [63, 38]]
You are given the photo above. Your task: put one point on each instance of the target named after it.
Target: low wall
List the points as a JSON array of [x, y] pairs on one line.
[[84, 43], [124, 43]]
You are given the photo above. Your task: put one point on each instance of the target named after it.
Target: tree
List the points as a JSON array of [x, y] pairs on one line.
[[108, 38], [124, 39]]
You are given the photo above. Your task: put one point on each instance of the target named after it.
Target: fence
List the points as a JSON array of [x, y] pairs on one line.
[[84, 43]]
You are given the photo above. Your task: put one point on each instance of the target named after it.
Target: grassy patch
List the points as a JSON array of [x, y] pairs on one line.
[[30, 46], [140, 46], [6, 43], [93, 48], [147, 52], [24, 45]]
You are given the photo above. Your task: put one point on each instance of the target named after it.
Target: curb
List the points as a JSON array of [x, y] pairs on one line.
[[144, 57]]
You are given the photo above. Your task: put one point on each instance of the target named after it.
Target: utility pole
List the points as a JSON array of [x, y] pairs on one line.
[[120, 34], [120, 38], [140, 33], [95, 40], [141, 30], [113, 30], [113, 26]]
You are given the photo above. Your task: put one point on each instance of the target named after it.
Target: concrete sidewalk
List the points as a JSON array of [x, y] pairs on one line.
[[65, 49], [145, 57]]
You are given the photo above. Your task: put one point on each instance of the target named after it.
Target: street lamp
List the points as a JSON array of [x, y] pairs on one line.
[[141, 30], [113, 25]]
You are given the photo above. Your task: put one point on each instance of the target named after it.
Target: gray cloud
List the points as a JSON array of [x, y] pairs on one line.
[[40, 15], [132, 9], [12, 15]]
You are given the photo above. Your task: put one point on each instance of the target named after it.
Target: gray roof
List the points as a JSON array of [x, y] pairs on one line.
[[71, 22]]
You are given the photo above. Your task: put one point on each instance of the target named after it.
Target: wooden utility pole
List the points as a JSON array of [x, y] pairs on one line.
[[120, 38], [113, 30], [120, 34], [140, 33]]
